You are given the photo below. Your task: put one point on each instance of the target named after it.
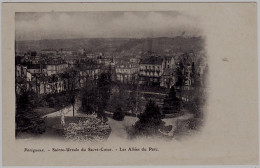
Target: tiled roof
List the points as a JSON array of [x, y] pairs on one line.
[[126, 64], [152, 60], [36, 66], [84, 67]]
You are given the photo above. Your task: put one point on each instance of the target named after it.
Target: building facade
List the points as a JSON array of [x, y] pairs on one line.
[[21, 71], [168, 75], [126, 72], [56, 66], [151, 70], [37, 69]]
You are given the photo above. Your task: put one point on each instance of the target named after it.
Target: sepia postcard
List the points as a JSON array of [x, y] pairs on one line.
[[106, 84]]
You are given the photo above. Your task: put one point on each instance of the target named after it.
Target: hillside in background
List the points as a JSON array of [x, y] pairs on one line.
[[117, 45]]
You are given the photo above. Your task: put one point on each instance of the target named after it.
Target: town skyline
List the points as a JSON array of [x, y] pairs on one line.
[[106, 24]]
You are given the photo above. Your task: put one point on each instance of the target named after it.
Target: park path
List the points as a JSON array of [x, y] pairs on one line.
[[118, 128], [68, 111]]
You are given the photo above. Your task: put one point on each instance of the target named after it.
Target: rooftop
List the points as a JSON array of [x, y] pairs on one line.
[[152, 60], [36, 66]]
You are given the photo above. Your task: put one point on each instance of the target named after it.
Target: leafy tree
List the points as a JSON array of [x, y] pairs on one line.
[[72, 101], [195, 76], [103, 93], [171, 103], [26, 119], [71, 78], [95, 95], [132, 101], [26, 100], [151, 115], [150, 121], [118, 100], [180, 75], [89, 97]]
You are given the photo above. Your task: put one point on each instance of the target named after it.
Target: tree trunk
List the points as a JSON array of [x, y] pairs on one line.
[[73, 109]]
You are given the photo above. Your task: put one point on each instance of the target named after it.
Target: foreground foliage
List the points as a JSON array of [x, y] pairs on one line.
[[90, 129], [26, 119]]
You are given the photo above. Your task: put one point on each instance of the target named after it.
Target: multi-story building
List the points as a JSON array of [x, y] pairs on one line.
[[168, 75], [151, 70], [168, 62], [56, 66], [126, 72], [188, 63], [104, 60], [168, 78], [88, 72], [37, 69], [21, 71]]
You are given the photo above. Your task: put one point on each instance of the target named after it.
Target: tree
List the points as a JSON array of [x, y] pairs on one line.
[[171, 103], [89, 97], [150, 121], [195, 76], [180, 75], [103, 93], [151, 115], [71, 78], [132, 101], [53, 80], [26, 119], [95, 95], [118, 98]]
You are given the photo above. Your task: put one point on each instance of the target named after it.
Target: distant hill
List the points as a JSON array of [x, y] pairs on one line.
[[117, 45]]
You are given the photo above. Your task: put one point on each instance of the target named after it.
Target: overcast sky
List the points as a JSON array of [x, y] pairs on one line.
[[63, 25]]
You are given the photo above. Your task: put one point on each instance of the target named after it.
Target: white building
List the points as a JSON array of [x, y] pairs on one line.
[[56, 67], [126, 72]]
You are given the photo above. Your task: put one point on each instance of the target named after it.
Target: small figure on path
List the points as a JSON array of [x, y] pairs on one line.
[[63, 115]]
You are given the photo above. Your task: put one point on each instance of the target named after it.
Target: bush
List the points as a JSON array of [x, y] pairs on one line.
[[30, 122], [195, 107], [43, 103], [185, 126], [52, 102], [119, 115]]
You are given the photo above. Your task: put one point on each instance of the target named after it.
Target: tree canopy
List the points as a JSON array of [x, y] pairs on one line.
[[171, 103]]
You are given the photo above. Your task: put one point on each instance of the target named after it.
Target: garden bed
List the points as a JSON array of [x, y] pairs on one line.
[[80, 128]]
